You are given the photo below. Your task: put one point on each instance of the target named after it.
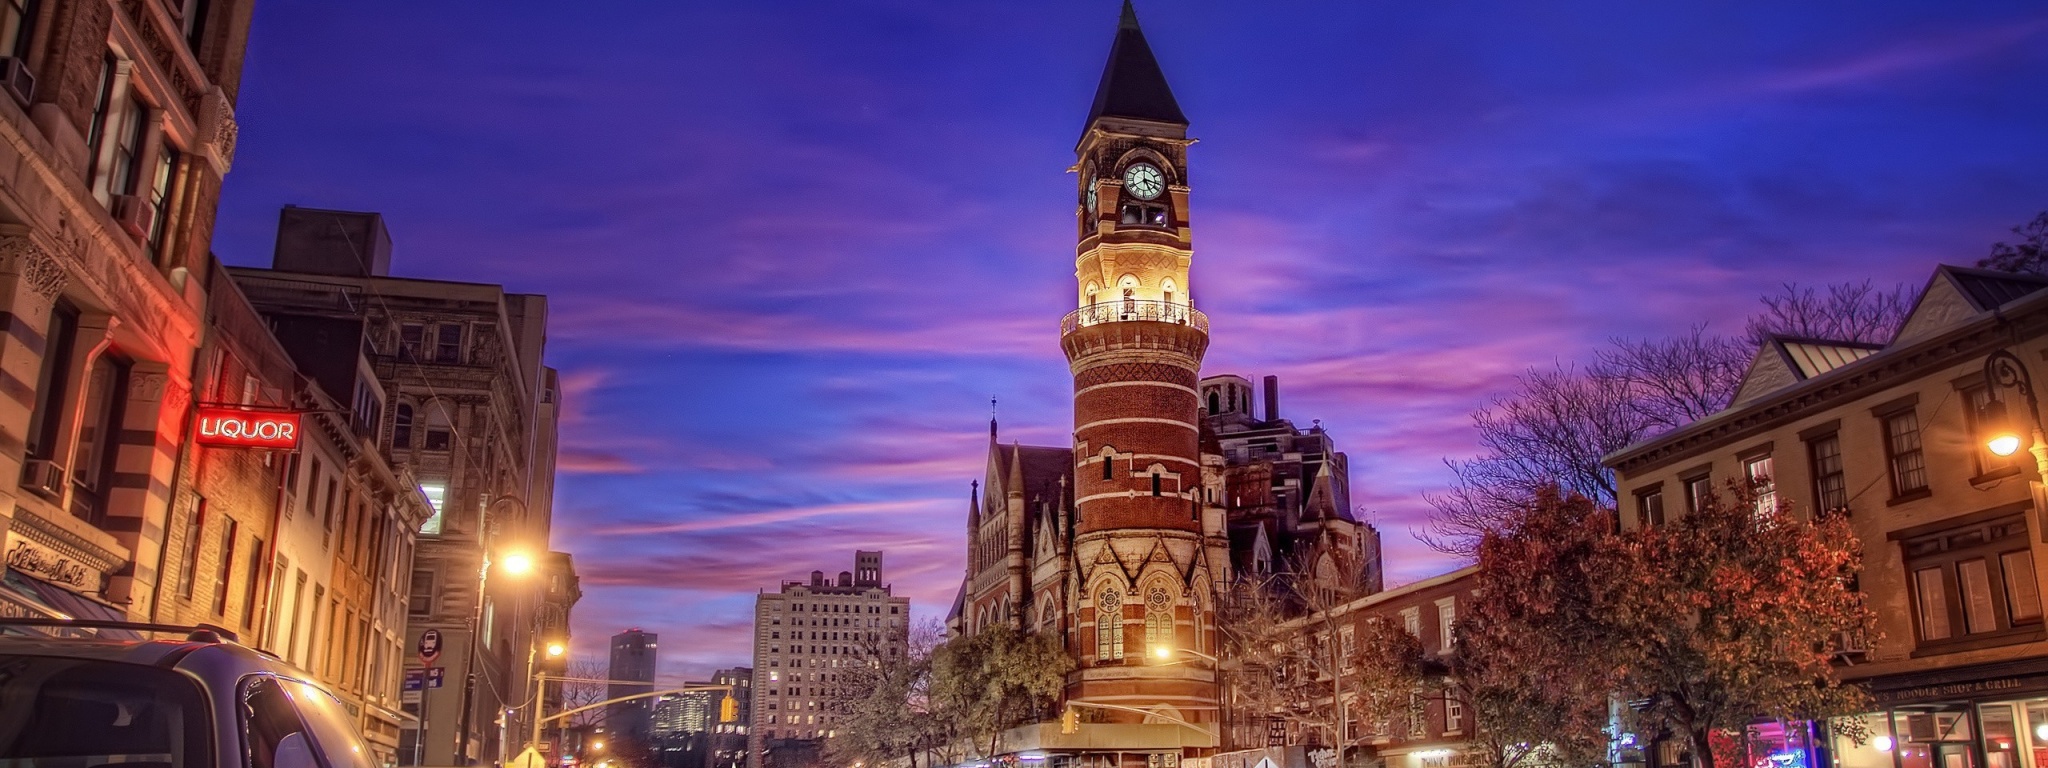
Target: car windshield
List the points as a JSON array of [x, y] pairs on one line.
[[76, 713]]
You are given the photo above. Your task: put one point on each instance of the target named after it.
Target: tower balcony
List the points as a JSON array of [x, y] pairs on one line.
[[1134, 311]]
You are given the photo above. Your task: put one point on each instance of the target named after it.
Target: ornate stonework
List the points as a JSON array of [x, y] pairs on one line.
[[22, 256]]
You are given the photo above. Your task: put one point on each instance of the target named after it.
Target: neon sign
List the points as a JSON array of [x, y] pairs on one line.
[[237, 428]]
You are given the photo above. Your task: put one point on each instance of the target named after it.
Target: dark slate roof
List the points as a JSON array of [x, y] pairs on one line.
[[1132, 85], [1043, 469], [1991, 289]]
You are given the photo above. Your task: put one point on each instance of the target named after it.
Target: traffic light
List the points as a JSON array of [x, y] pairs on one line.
[[1070, 721], [728, 709]]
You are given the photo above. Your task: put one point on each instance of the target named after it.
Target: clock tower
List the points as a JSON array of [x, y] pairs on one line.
[[1148, 543]]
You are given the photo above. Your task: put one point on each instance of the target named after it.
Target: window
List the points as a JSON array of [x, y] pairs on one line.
[[1155, 483], [1830, 488], [448, 343], [436, 493], [1108, 466], [1411, 620], [44, 422], [1158, 620], [1973, 584], [196, 527], [92, 464], [124, 158], [227, 567], [327, 515], [1454, 715], [17, 27], [1757, 471], [102, 106], [160, 200], [438, 432], [401, 427], [194, 16], [410, 338], [1650, 507], [1699, 489], [253, 583], [1446, 618], [1109, 624], [1902, 453]]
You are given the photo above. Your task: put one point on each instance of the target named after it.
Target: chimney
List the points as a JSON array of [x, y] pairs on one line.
[[1272, 398]]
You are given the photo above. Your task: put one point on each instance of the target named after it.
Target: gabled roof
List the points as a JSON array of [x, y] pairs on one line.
[[1955, 294], [1132, 84]]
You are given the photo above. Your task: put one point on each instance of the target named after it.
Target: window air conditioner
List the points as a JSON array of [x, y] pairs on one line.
[[135, 215], [44, 477], [17, 80]]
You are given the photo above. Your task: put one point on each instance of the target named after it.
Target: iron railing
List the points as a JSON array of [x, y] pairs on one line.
[[1134, 310]]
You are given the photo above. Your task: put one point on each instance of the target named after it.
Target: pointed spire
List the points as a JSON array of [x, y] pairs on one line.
[[991, 419], [1321, 503], [1016, 481], [1132, 84], [974, 506]]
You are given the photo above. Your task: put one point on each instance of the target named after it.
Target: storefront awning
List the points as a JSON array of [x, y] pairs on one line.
[[34, 597]]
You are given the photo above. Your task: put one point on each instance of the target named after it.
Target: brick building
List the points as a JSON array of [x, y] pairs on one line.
[[1119, 542], [116, 126]]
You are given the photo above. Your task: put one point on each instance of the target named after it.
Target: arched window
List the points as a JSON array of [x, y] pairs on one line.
[[1167, 288], [1092, 289], [1158, 619], [401, 426], [1215, 403], [1109, 624]]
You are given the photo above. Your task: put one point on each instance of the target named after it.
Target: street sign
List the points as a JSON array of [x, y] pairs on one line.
[[434, 677], [415, 679], [430, 647]]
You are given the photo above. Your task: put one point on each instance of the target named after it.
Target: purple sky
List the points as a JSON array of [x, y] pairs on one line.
[[794, 247]]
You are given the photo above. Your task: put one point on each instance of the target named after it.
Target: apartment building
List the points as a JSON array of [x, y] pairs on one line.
[[803, 633], [116, 127], [470, 415], [1894, 437]]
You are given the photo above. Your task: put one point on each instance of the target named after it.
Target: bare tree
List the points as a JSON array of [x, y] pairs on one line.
[[1291, 647], [2029, 255], [1559, 422], [1857, 312], [582, 694]]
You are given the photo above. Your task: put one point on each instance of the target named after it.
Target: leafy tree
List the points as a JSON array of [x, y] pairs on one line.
[[997, 679], [1388, 668], [1731, 613], [1529, 666], [1560, 421], [2030, 254]]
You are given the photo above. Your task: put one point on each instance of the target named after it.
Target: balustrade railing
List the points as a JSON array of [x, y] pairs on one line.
[[1134, 310]]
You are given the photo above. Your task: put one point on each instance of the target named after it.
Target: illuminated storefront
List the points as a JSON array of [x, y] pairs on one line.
[[1988, 716]]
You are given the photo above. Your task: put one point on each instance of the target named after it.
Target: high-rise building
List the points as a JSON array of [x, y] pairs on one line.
[[1119, 541], [470, 411], [803, 634], [633, 658]]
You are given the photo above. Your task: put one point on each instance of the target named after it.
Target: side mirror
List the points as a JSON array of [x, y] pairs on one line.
[[294, 752]]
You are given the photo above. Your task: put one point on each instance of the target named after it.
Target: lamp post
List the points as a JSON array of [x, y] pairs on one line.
[[1996, 426], [515, 563]]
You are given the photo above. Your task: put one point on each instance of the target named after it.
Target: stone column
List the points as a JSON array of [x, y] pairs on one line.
[[138, 496], [30, 279]]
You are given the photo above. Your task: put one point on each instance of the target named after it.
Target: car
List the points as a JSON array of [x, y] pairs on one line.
[[201, 700]]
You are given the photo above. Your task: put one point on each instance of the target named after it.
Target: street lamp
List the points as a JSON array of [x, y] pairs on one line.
[[1995, 424], [1164, 652]]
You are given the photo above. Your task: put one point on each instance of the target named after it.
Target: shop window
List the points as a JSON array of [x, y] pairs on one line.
[[1872, 751], [1973, 584]]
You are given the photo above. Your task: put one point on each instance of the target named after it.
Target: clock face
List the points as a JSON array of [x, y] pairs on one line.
[[1144, 181]]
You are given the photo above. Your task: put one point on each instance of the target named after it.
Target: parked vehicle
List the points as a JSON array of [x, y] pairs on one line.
[[200, 701]]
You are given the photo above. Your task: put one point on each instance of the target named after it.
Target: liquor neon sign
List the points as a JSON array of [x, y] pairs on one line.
[[236, 428]]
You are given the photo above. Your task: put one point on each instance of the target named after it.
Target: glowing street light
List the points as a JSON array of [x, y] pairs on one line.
[[518, 563], [556, 649]]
